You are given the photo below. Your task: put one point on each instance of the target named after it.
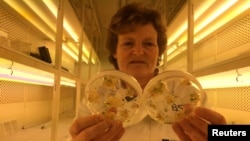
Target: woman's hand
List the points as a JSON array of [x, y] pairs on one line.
[[194, 127], [96, 128]]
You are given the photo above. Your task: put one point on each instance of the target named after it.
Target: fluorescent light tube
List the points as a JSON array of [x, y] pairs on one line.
[[13, 71], [233, 78]]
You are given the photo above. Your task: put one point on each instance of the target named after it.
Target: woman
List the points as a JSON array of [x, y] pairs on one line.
[[136, 40]]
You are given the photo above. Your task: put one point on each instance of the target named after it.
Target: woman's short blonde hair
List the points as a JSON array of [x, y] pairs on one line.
[[126, 19]]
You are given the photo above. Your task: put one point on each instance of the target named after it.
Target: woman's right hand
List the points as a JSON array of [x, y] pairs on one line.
[[96, 128]]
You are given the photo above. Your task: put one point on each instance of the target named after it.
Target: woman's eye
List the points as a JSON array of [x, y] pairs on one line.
[[149, 44], [127, 44]]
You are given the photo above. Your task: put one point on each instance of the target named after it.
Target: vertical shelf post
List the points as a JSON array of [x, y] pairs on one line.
[[57, 74], [190, 40], [78, 73]]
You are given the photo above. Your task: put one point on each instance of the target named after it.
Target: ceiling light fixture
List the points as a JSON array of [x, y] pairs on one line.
[[234, 78], [73, 52], [22, 9], [43, 17], [16, 72], [214, 15]]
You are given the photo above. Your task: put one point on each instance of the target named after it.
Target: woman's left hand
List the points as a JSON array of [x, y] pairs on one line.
[[195, 126]]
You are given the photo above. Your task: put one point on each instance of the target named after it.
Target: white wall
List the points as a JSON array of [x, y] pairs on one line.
[[31, 104], [233, 103]]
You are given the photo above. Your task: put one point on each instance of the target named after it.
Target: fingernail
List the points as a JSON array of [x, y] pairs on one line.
[[117, 123], [108, 122]]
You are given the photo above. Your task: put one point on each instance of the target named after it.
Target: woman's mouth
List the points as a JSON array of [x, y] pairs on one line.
[[137, 62]]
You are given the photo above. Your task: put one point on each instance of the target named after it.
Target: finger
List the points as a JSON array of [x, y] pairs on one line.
[[95, 130], [117, 131], [84, 122], [194, 133], [188, 108], [198, 123], [113, 134], [119, 135], [179, 132], [209, 115]]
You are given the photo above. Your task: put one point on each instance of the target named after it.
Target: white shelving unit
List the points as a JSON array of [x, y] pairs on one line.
[[22, 22]]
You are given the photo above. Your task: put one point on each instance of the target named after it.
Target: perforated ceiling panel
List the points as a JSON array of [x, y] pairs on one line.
[[231, 98], [234, 36], [11, 92], [229, 43], [18, 30], [14, 92]]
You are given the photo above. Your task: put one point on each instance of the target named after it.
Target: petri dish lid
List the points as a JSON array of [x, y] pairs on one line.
[[115, 95], [172, 95]]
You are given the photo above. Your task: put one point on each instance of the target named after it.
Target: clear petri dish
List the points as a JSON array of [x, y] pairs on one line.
[[172, 95], [115, 95]]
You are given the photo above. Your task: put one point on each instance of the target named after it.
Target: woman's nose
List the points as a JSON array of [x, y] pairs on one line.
[[138, 50]]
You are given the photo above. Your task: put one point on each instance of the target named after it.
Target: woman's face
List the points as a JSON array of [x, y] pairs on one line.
[[137, 51]]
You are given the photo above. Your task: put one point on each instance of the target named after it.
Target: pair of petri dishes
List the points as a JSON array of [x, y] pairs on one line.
[[167, 98]]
